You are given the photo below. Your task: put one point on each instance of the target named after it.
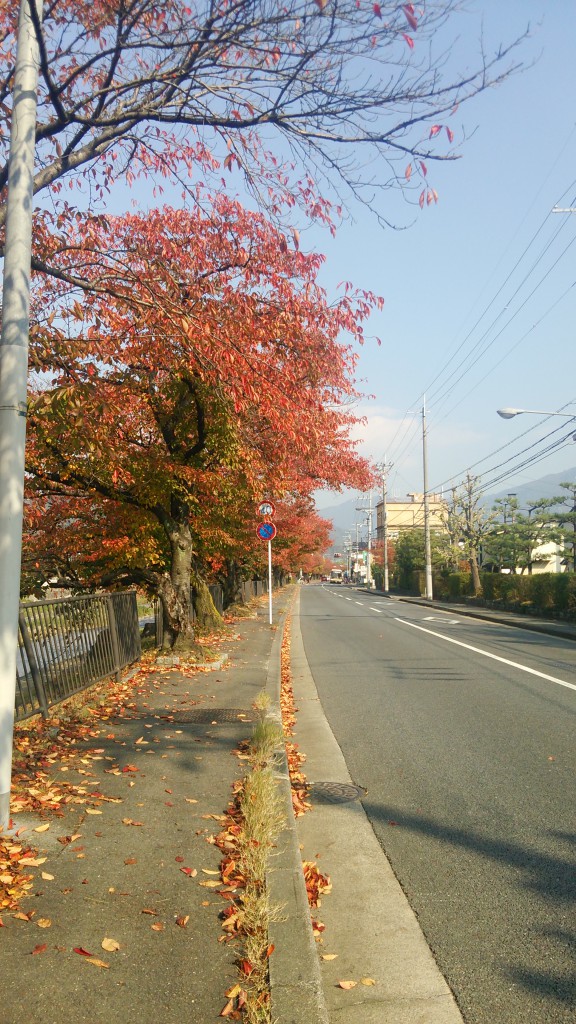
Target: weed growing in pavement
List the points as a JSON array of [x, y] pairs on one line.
[[255, 821]]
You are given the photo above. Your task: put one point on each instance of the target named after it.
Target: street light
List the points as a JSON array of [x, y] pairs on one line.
[[507, 414]]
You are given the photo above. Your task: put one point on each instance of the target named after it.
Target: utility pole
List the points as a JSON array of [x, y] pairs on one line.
[[385, 467], [427, 546], [13, 375], [369, 581]]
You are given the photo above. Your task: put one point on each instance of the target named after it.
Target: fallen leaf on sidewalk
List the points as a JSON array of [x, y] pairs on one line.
[[346, 985], [110, 945], [329, 956], [43, 828], [47, 877], [191, 872], [97, 963], [182, 920], [157, 926], [82, 951], [367, 981], [40, 949], [44, 922]]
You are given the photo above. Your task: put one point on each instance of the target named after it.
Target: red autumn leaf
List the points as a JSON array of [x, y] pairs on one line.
[[450, 134], [40, 949], [82, 951], [409, 40], [434, 130], [377, 10], [408, 172], [410, 16], [423, 168]]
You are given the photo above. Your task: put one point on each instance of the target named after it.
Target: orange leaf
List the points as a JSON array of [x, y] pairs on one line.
[[346, 985], [97, 963], [40, 949]]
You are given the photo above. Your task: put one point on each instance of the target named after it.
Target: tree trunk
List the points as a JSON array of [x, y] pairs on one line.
[[232, 584], [475, 575], [174, 589], [207, 617]]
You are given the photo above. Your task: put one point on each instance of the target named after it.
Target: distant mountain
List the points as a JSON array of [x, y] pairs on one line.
[[344, 516], [544, 487]]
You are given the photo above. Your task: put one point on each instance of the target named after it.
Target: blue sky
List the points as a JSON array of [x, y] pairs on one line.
[[468, 279], [485, 276]]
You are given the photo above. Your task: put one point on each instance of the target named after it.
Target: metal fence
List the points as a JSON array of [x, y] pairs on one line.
[[70, 643]]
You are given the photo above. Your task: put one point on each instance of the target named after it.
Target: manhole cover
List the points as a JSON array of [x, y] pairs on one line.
[[205, 716], [335, 792]]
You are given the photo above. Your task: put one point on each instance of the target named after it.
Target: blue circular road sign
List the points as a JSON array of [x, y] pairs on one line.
[[266, 531]]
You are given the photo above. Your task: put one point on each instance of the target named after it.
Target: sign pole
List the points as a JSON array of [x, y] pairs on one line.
[[270, 581]]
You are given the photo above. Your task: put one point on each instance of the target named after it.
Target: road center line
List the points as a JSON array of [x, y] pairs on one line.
[[486, 654], [379, 610], [361, 603]]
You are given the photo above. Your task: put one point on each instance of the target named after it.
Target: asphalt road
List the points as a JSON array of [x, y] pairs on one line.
[[464, 734]]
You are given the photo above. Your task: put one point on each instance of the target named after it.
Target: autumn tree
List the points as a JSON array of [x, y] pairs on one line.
[[291, 95], [206, 363]]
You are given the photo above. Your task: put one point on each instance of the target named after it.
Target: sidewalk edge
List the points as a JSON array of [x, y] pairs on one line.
[[297, 995]]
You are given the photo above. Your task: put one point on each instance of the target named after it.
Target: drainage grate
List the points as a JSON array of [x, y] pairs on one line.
[[205, 716], [335, 792]]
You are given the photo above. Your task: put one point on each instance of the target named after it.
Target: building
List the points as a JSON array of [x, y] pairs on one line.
[[409, 515]]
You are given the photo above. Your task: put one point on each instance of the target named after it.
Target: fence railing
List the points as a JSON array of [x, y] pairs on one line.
[[70, 643]]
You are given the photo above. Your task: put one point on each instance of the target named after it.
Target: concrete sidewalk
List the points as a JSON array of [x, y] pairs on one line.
[[134, 870], [133, 865]]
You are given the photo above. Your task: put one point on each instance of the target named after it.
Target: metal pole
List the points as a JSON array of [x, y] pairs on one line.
[[13, 376], [270, 582], [385, 529], [427, 546], [369, 581]]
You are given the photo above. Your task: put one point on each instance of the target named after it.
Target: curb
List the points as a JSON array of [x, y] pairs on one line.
[[297, 995]]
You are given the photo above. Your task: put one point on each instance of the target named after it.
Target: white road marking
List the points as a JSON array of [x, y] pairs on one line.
[[348, 598], [440, 618], [486, 654], [361, 603], [379, 610]]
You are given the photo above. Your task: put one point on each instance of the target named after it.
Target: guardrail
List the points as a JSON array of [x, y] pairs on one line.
[[67, 644]]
